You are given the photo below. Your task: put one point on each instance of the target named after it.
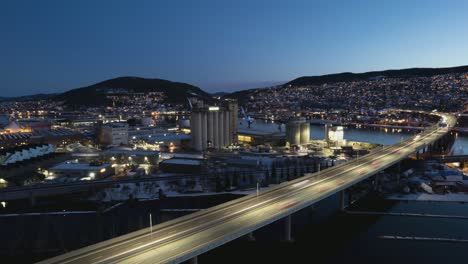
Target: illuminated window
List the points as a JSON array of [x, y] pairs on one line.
[[244, 138]]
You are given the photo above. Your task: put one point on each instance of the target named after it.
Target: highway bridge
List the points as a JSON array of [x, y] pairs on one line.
[[187, 237]]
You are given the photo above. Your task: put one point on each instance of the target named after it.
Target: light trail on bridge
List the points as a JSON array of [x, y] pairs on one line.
[[191, 235]]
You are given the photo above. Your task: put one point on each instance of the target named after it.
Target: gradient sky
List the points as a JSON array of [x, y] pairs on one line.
[[52, 46]]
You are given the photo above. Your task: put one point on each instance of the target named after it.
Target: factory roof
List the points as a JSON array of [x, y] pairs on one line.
[[129, 151], [261, 128], [163, 137], [78, 166], [179, 161], [116, 124], [21, 148]]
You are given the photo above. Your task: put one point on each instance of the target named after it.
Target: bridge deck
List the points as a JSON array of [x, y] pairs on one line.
[[182, 238]]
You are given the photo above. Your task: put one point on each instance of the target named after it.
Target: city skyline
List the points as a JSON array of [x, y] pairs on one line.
[[52, 46], [249, 131]]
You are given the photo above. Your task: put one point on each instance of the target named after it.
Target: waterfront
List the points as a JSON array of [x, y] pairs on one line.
[[346, 238], [460, 147], [342, 237], [373, 249], [385, 136]]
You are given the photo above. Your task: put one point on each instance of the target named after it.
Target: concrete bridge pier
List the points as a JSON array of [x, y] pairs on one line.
[[377, 180], [193, 260], [32, 199], [250, 236], [399, 172], [287, 229], [343, 201]]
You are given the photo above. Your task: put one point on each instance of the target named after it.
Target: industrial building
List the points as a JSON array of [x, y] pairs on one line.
[[297, 131], [214, 126], [113, 134], [56, 137], [127, 155], [23, 153], [182, 165], [162, 141], [334, 135], [78, 171]]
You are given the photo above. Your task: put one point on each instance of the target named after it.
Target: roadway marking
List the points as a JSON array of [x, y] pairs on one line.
[[280, 191], [323, 189], [96, 258], [341, 182]]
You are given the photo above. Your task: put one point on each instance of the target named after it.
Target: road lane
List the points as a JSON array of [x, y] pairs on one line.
[[202, 226]]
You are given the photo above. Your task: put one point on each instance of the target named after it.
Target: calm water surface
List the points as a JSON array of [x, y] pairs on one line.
[[355, 239]]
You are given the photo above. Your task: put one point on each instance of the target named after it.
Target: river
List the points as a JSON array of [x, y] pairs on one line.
[[343, 238], [348, 238]]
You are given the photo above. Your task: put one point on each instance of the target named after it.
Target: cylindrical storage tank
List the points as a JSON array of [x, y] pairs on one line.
[[196, 131], [327, 127], [289, 133], [293, 130], [297, 133], [204, 129], [227, 131], [233, 119], [210, 123], [305, 133], [221, 129], [215, 129]]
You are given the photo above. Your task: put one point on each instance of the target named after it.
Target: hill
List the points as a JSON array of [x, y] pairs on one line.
[[95, 95], [348, 76], [243, 96], [25, 98]]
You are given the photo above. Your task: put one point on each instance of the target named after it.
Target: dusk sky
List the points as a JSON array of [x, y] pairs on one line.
[[53, 46]]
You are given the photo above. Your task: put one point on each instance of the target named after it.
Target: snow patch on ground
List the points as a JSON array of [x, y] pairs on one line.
[[122, 192], [150, 191]]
